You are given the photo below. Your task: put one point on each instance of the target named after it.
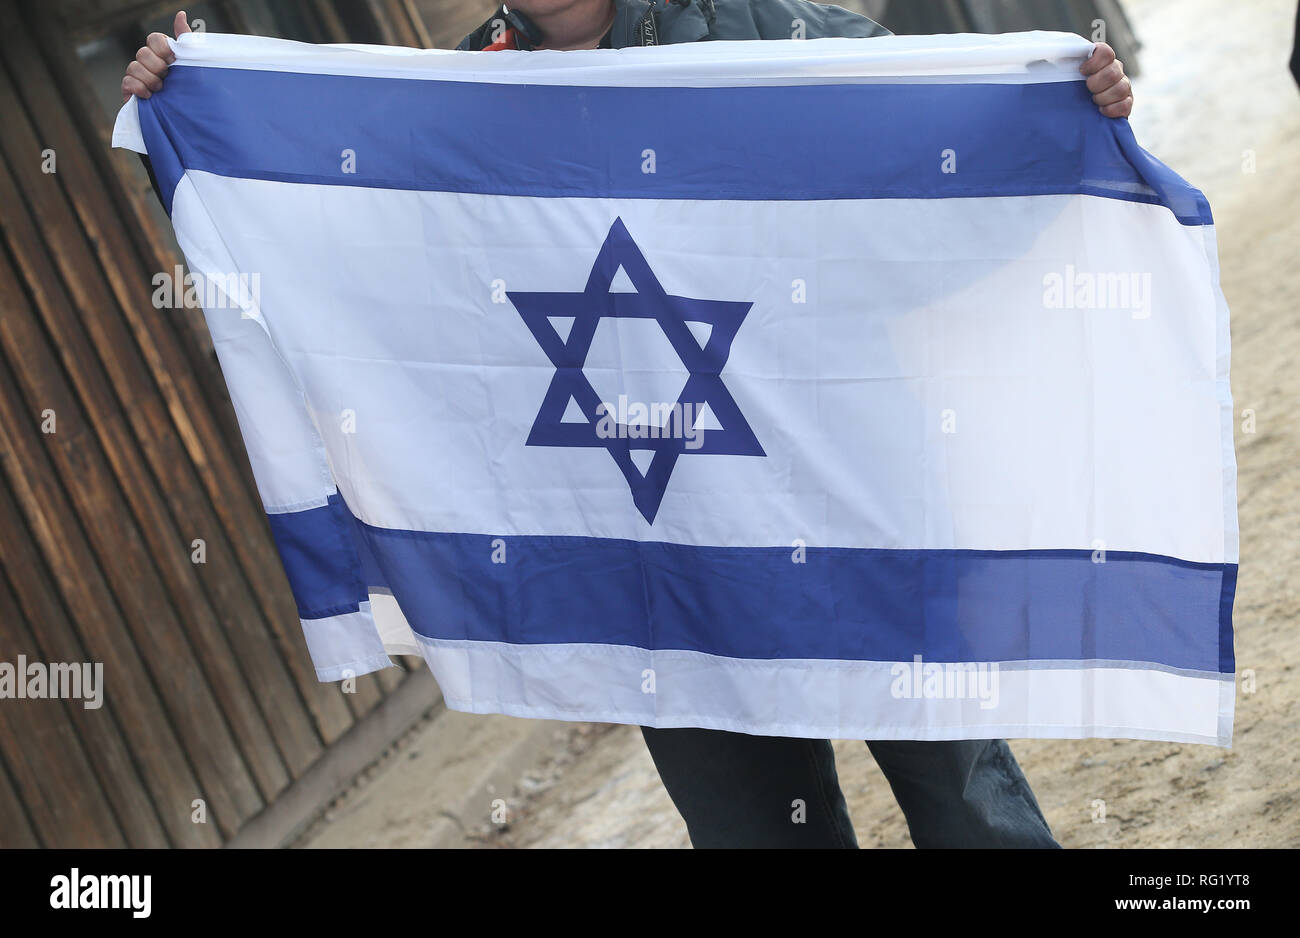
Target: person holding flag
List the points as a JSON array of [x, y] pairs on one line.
[[734, 789]]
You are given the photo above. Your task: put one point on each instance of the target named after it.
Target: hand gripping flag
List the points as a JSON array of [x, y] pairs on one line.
[[843, 388]]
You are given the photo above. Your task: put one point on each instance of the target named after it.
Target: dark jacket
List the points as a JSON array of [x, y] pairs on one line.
[[1295, 49], [661, 22]]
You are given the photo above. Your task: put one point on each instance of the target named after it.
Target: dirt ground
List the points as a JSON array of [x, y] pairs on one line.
[[1214, 101]]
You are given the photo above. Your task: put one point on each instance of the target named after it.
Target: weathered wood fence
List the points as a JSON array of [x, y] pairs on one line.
[[120, 458]]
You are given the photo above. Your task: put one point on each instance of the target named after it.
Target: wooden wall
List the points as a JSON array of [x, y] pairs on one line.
[[450, 21], [209, 690]]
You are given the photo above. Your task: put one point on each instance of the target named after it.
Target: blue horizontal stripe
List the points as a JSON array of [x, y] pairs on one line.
[[852, 141], [318, 549], [842, 603]]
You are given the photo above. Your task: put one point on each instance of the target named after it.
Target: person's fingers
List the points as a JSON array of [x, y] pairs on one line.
[[1114, 94], [1101, 56], [161, 47], [144, 76], [151, 61], [1108, 77], [1121, 109], [133, 86]]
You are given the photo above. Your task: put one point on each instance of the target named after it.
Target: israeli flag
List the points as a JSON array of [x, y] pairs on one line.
[[863, 388]]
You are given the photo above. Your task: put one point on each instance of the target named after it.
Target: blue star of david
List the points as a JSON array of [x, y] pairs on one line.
[[569, 355]]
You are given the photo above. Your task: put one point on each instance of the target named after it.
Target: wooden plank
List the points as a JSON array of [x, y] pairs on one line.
[[365, 696], [90, 18], [309, 20], [420, 32], [40, 746], [290, 814], [237, 506], [382, 22], [100, 731], [234, 13], [449, 21], [405, 33], [16, 832], [15, 829], [328, 21], [391, 678]]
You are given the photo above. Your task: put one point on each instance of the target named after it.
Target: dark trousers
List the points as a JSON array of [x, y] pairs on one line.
[[735, 790]]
